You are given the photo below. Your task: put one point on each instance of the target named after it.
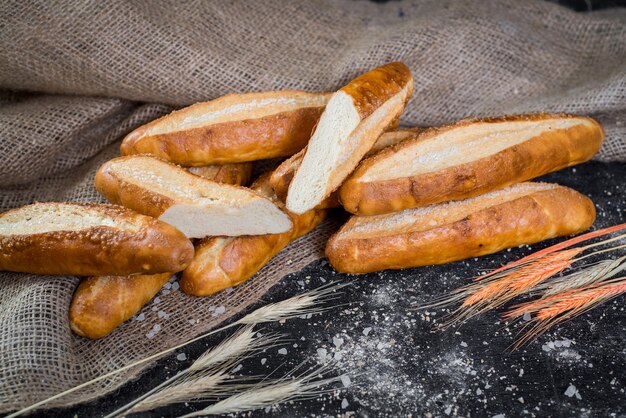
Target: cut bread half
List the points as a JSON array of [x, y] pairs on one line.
[[354, 118], [234, 128], [238, 174], [283, 174], [223, 262], [467, 159], [196, 206], [89, 239], [524, 213]]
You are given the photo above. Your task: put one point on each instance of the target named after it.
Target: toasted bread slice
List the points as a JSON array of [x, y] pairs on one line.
[[223, 262], [238, 174], [234, 128], [88, 239], [354, 118], [524, 213], [196, 206], [467, 159]]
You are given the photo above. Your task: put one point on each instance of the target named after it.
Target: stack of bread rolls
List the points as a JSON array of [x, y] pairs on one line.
[[418, 196]]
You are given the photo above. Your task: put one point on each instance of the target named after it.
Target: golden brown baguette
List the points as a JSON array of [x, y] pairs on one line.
[[101, 304], [234, 128], [223, 262], [354, 118], [283, 174], [467, 159], [196, 206], [521, 214], [89, 239], [237, 174]]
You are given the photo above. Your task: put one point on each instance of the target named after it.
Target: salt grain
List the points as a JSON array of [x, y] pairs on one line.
[[236, 369], [345, 380], [181, 357], [322, 353], [366, 331], [263, 361], [140, 317], [220, 310], [282, 351], [570, 391], [337, 342], [175, 286], [344, 403]]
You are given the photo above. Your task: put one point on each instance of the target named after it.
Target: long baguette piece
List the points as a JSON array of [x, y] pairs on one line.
[[196, 206], [100, 304], [89, 239], [237, 174], [467, 159], [223, 262], [354, 118], [521, 214], [283, 174], [234, 128]]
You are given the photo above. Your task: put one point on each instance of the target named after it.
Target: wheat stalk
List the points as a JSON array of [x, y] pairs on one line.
[[557, 247], [555, 309], [229, 350], [270, 394], [598, 272], [202, 386], [305, 303], [485, 295]]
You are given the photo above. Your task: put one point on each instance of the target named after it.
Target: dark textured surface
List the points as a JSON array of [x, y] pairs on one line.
[[401, 367]]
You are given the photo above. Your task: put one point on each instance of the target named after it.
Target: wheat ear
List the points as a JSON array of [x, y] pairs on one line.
[[553, 310], [228, 351], [269, 394]]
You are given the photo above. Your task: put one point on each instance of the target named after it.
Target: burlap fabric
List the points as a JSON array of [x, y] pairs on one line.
[[79, 74]]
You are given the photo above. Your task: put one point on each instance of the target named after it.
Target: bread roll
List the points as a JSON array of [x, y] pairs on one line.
[[283, 174], [521, 214], [89, 239], [237, 174], [467, 159], [101, 304], [232, 129], [353, 120], [223, 262], [196, 206]]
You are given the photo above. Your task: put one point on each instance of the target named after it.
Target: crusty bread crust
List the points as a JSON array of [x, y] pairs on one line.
[[528, 219], [100, 304], [550, 151], [248, 139], [238, 174], [223, 262], [371, 90], [155, 247]]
